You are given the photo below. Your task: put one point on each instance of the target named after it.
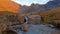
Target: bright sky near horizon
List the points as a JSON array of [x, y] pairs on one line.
[[29, 2]]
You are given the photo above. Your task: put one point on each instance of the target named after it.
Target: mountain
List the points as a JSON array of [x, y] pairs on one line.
[[39, 7], [51, 4], [23, 9], [35, 7], [8, 5], [27, 9]]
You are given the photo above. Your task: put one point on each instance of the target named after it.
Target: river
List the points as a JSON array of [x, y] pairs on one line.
[[39, 29]]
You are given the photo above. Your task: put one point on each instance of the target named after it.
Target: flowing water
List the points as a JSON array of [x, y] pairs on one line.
[[40, 29]]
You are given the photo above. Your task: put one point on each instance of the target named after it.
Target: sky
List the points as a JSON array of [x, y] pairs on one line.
[[29, 2]]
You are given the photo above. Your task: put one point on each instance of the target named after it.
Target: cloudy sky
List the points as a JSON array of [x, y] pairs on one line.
[[29, 2]]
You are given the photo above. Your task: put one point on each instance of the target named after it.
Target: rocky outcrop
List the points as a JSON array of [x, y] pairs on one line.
[[9, 19], [10, 22], [34, 19]]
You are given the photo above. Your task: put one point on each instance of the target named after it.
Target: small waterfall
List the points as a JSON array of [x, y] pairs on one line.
[[25, 20]]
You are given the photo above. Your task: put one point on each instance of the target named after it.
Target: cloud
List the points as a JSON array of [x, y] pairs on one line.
[[29, 2]]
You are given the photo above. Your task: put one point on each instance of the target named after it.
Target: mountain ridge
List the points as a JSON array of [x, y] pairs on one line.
[[37, 7]]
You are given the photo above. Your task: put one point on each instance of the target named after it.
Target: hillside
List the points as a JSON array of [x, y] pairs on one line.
[[8, 5], [49, 16]]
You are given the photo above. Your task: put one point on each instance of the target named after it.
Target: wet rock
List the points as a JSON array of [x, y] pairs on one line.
[[9, 32], [0, 32], [25, 27], [55, 23], [3, 27], [52, 26]]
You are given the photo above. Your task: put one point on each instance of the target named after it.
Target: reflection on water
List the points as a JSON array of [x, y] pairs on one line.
[[40, 29]]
